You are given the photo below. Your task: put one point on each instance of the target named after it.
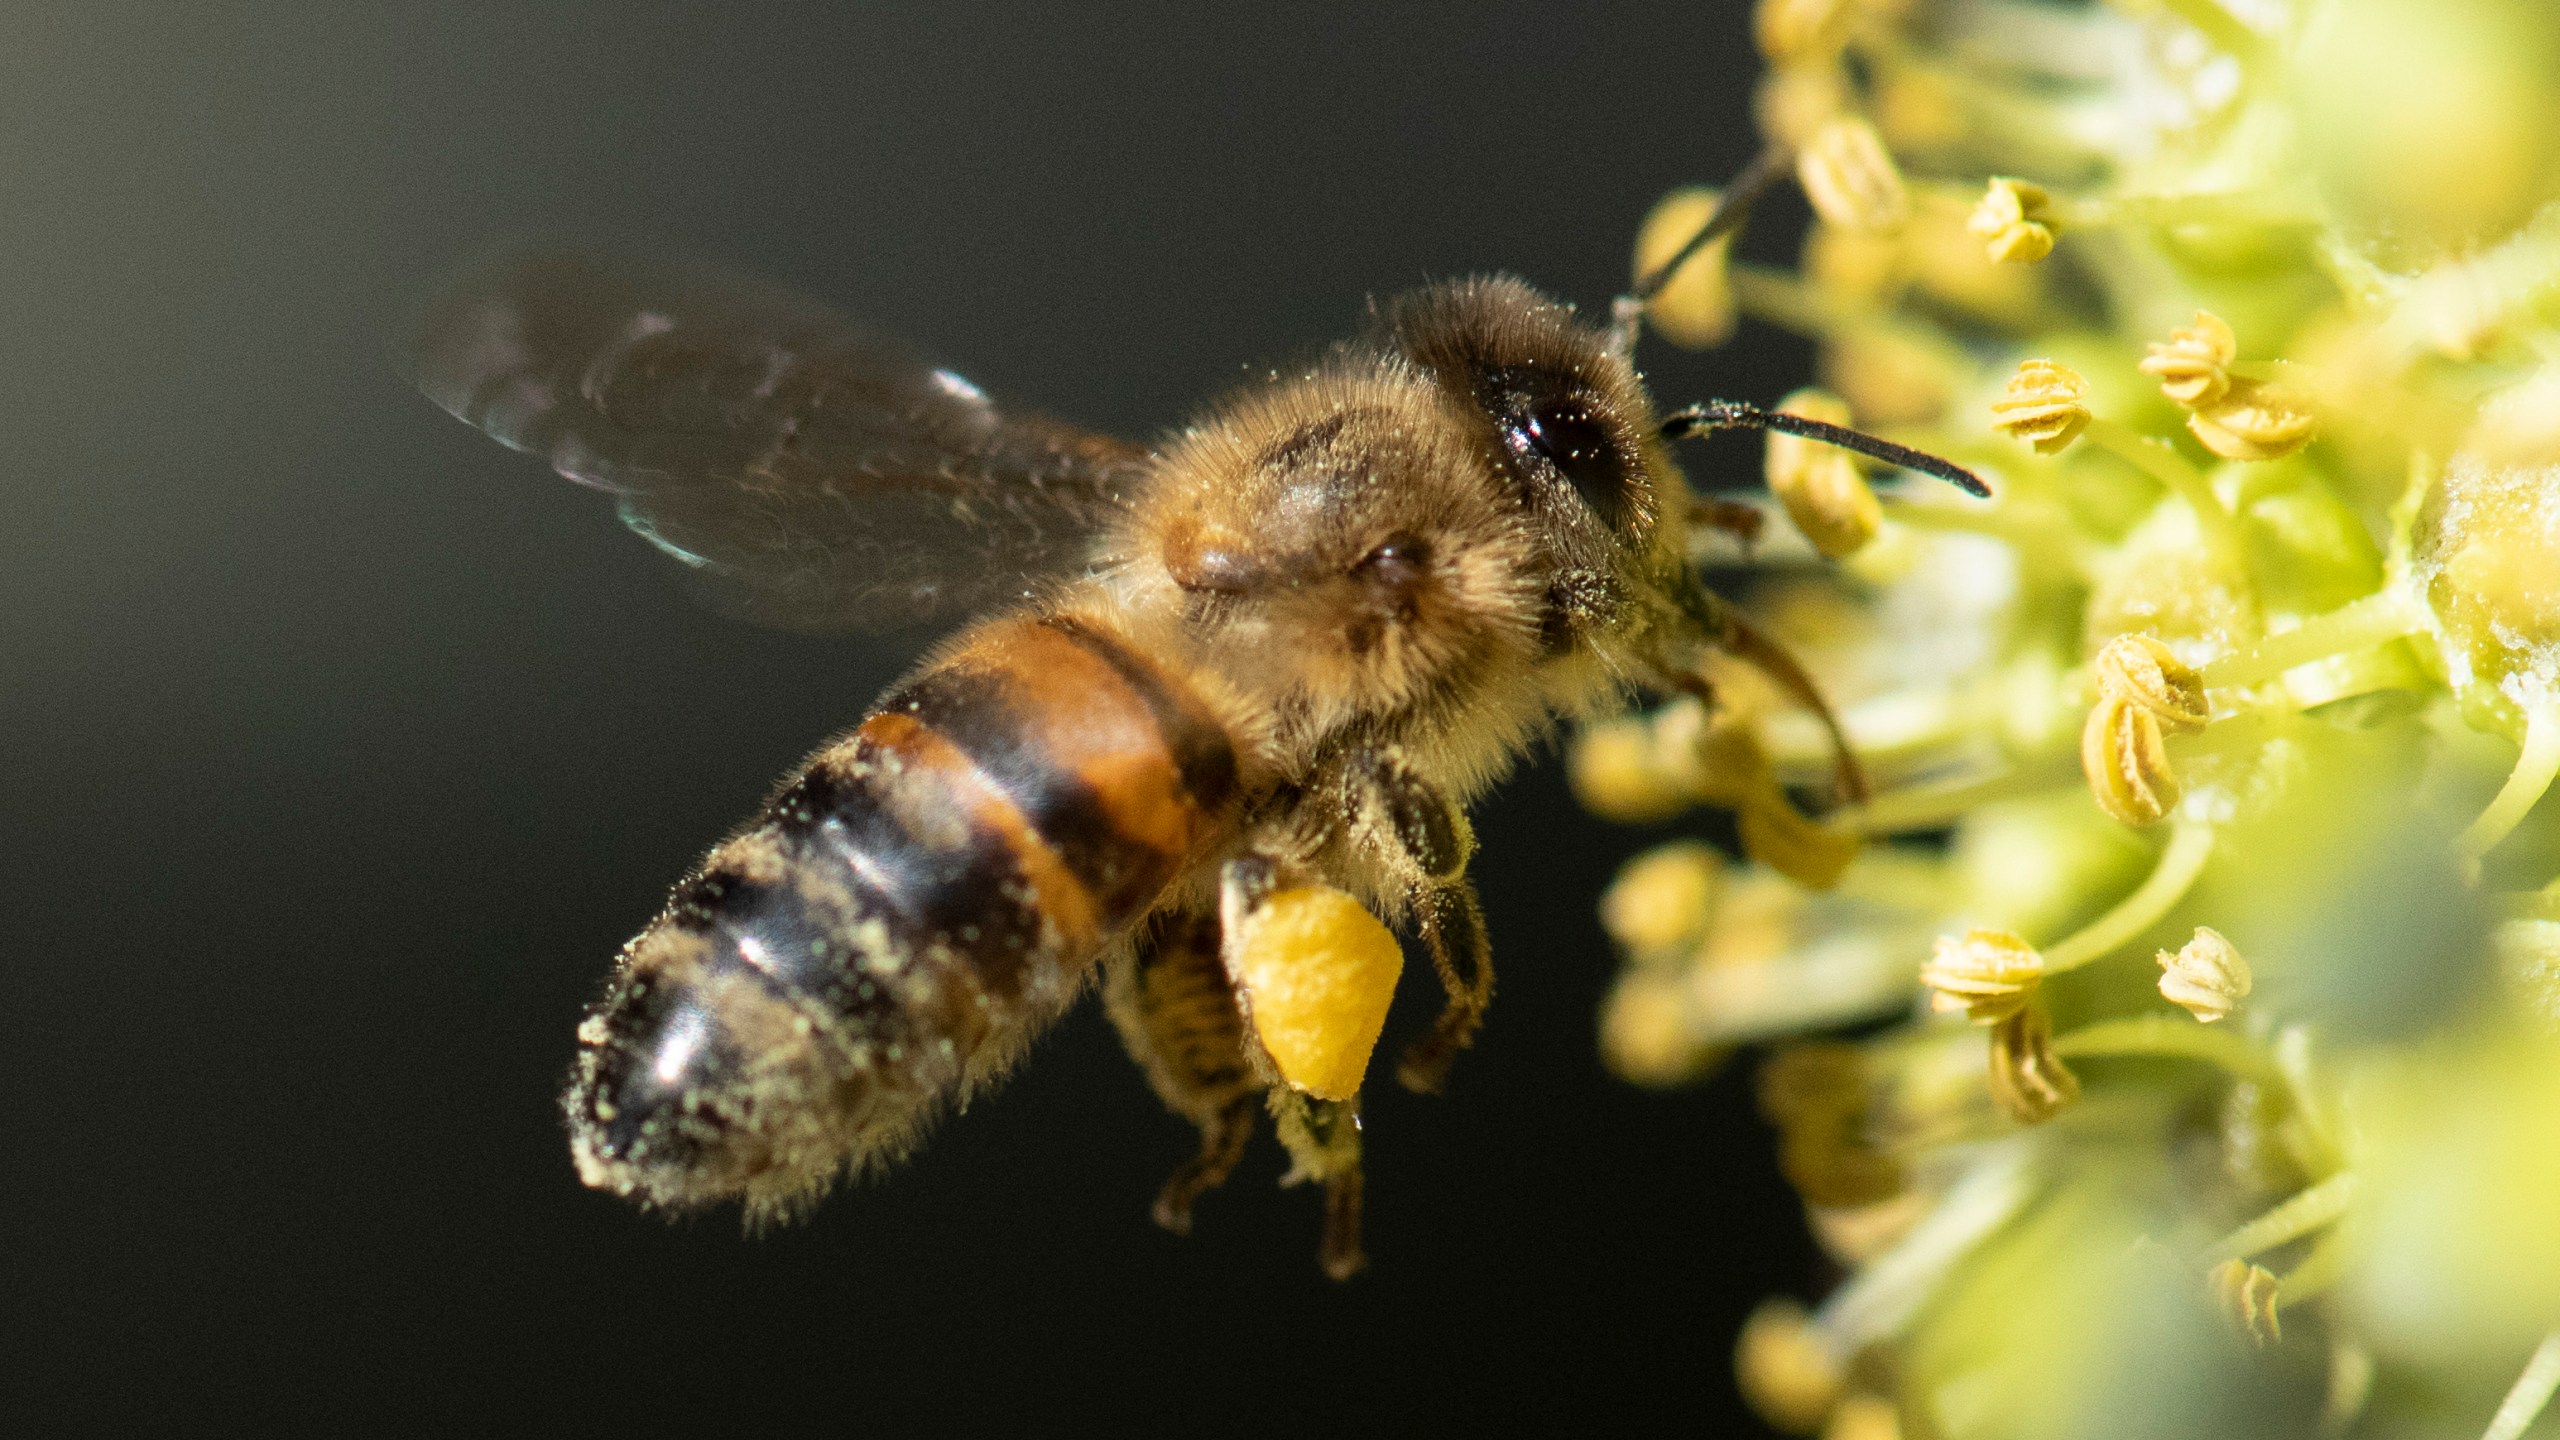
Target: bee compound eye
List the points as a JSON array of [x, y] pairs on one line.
[[1568, 435]]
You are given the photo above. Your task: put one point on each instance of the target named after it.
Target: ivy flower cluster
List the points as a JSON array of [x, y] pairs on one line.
[[2169, 1043]]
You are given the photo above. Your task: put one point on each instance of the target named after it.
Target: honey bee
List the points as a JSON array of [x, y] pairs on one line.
[[1284, 647]]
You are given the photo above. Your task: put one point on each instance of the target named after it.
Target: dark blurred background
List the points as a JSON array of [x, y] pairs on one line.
[[339, 748]]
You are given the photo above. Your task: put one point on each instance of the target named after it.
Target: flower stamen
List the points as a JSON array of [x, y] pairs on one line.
[[2190, 846], [2205, 977], [1988, 974], [2045, 406], [2028, 1079]]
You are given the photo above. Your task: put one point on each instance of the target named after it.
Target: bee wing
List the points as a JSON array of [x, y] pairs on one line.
[[813, 474]]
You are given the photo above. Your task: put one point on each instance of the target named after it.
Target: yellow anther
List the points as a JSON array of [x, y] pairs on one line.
[[2015, 221], [1795, 845], [1985, 973], [1816, 1094], [2193, 365], [2127, 762], [1695, 308], [2028, 1079], [1850, 177], [1787, 1369], [1853, 266], [1663, 899], [1794, 101], [1864, 1417], [2247, 1294], [2254, 421], [1813, 1079], [2046, 406], [1793, 32], [1832, 1163], [2206, 976], [1315, 970], [2140, 670], [1646, 1033], [1617, 772], [1820, 484]]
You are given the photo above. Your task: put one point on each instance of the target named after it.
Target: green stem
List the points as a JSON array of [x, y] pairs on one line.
[[1781, 298], [2159, 1037], [2377, 619], [2161, 461], [1934, 807], [2037, 537], [2317, 1274], [2536, 765], [2532, 1391], [2197, 207], [2306, 1211], [2190, 845]]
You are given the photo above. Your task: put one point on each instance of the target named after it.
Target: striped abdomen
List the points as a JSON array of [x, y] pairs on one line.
[[916, 903]]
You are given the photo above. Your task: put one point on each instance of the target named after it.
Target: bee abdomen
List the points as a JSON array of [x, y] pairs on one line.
[[910, 908]]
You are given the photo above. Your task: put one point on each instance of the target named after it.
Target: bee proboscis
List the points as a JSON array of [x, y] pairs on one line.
[[1287, 645]]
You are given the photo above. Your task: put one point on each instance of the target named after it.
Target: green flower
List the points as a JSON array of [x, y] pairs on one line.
[[2250, 309]]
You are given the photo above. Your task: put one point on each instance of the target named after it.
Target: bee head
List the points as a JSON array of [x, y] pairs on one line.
[[1567, 429]]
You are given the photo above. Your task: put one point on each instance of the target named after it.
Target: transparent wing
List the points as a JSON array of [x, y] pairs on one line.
[[813, 474]]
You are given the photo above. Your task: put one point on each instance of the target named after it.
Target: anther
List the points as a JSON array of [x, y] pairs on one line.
[[2255, 421], [2028, 1080], [1819, 484], [2193, 364], [2206, 976], [2015, 221], [1849, 176], [2247, 1294], [2046, 405], [1988, 974]]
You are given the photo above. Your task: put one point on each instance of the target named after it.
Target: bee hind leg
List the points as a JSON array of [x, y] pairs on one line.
[[1323, 1141], [1171, 1001]]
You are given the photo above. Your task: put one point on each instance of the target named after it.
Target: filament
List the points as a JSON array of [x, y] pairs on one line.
[[2181, 1039], [2536, 765], [2190, 845], [2377, 619], [2532, 1391], [1934, 807], [2164, 464], [2304, 1212]]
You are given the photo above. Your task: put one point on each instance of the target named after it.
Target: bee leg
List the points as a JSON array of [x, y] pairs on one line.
[[1323, 1140], [1452, 926], [1176, 1013], [1742, 522], [1723, 626], [1424, 843]]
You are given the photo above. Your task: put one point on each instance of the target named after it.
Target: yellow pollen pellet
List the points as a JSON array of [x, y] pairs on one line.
[[1316, 971]]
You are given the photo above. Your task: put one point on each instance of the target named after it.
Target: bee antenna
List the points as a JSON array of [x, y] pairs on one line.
[[1730, 214], [1735, 415], [1626, 316]]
